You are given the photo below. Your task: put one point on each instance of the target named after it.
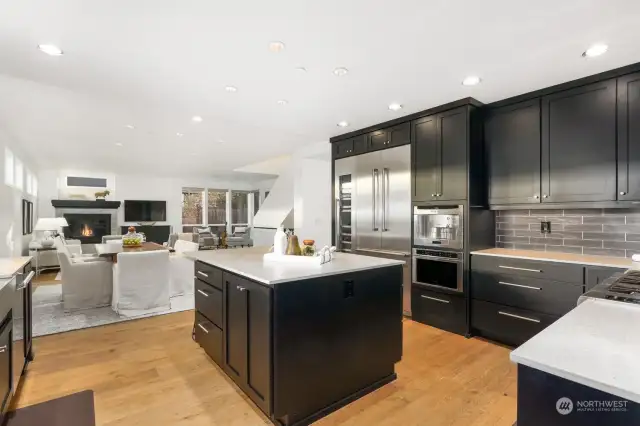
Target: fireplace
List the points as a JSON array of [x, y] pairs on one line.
[[87, 227]]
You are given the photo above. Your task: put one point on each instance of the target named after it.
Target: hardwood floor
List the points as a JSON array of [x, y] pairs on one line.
[[150, 372], [46, 278]]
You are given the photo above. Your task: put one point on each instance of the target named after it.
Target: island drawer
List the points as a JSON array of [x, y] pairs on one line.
[[506, 324], [567, 272], [209, 337], [551, 297], [441, 310], [208, 301], [209, 274]]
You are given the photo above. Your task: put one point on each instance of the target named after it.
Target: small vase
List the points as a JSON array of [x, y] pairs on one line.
[[293, 249]]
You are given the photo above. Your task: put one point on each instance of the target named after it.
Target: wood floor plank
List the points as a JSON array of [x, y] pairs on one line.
[[150, 372]]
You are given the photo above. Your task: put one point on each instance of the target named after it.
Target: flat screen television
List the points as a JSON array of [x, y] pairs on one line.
[[145, 211]]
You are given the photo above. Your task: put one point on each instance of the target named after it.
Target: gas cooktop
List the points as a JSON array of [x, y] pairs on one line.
[[620, 288]]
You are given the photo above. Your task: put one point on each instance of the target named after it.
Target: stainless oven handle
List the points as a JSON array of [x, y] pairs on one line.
[[389, 252], [507, 314], [442, 259], [435, 299], [374, 192], [26, 281]]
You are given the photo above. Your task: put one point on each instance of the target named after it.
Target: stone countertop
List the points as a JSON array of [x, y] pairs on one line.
[[596, 344], [248, 262], [10, 265], [557, 257]]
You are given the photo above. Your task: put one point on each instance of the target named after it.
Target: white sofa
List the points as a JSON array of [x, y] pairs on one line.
[[86, 282], [181, 268], [141, 283]]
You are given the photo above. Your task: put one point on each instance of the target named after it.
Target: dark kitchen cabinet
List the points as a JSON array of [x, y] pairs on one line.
[[579, 144], [5, 364], [595, 275], [629, 137], [247, 337], [389, 137], [348, 147], [512, 138], [439, 156]]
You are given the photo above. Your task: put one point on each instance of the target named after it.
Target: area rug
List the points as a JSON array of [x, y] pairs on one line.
[[71, 410], [49, 316]]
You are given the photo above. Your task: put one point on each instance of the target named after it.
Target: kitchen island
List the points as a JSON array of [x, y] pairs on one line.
[[300, 341]]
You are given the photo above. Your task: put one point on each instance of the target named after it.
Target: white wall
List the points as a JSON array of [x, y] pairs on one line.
[[135, 187], [312, 201], [12, 242]]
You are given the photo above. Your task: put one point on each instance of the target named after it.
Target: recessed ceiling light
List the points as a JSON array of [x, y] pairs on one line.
[[301, 69], [595, 50], [50, 49], [130, 126], [231, 89], [196, 119], [343, 124], [471, 80], [179, 134], [395, 107], [276, 46], [282, 102], [340, 71], [220, 140], [118, 143]]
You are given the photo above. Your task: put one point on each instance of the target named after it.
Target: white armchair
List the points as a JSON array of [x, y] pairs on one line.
[[182, 268], [86, 283], [141, 283]]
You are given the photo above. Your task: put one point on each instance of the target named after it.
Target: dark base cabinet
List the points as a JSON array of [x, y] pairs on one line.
[[303, 349], [441, 310]]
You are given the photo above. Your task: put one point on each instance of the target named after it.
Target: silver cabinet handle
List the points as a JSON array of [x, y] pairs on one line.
[[536, 196], [435, 299], [530, 287], [374, 191], [433, 195], [623, 193], [3, 348], [241, 288], [545, 196], [203, 293], [203, 274], [26, 281], [520, 269], [507, 314], [203, 329]]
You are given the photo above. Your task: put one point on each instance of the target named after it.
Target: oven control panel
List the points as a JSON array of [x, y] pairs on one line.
[[436, 253]]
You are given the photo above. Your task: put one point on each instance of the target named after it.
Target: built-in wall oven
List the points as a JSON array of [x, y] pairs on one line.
[[440, 269], [438, 226]]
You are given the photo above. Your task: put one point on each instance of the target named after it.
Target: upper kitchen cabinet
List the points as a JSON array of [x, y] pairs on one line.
[[439, 156], [389, 137], [629, 138], [348, 147], [579, 144], [512, 138]]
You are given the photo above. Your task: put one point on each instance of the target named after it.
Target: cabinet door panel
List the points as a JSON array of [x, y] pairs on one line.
[[6, 349], [343, 148], [258, 343], [424, 144], [512, 136], [629, 137], [579, 144], [378, 139], [235, 328], [452, 173], [399, 135]]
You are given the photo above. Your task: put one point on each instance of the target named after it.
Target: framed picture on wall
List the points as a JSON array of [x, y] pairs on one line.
[[30, 221]]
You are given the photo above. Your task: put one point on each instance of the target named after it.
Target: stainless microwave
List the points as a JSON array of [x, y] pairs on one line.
[[438, 226]]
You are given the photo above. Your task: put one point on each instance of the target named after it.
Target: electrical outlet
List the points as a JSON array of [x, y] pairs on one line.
[[545, 227]]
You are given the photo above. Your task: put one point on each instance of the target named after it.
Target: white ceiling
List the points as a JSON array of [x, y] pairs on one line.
[[156, 63]]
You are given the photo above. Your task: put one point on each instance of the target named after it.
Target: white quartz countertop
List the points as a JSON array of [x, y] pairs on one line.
[[10, 265], [608, 261], [596, 344], [248, 262]]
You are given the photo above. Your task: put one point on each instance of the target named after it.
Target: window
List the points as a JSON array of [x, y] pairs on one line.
[[34, 186], [28, 182], [8, 167], [18, 179], [240, 207], [256, 201], [217, 206], [192, 206]]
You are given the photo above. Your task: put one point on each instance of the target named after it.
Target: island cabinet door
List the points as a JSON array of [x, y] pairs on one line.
[[247, 329]]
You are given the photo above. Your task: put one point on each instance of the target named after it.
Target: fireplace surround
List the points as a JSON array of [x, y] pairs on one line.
[[89, 228]]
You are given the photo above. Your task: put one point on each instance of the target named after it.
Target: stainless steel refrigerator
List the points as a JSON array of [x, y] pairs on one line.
[[373, 207]]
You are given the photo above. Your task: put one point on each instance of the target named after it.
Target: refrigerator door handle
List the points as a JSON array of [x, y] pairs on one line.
[[385, 198], [374, 191]]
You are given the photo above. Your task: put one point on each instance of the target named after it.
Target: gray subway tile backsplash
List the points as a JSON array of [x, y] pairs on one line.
[[602, 232]]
